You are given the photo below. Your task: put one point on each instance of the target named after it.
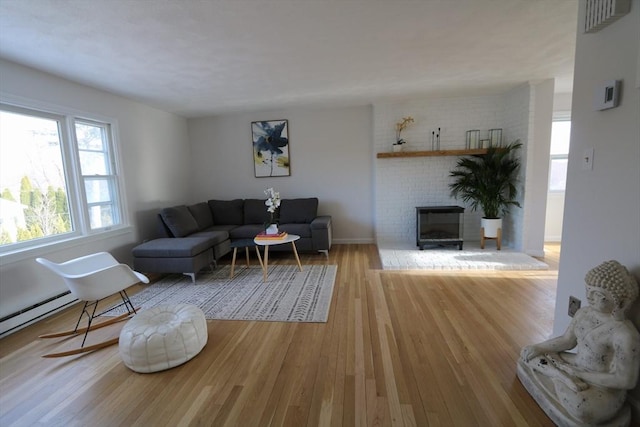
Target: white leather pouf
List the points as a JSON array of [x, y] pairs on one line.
[[163, 337]]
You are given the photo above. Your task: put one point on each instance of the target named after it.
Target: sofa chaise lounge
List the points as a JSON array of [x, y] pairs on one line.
[[196, 236]]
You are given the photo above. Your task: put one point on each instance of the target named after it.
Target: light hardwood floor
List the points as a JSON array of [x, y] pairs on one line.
[[400, 348]]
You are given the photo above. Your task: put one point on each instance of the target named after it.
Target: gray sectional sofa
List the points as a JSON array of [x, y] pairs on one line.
[[195, 236]]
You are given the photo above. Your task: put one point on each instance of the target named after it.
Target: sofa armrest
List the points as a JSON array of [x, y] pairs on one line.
[[321, 233], [321, 222]]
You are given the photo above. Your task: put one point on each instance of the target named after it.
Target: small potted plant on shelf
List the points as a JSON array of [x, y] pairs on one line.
[[400, 126], [488, 181]]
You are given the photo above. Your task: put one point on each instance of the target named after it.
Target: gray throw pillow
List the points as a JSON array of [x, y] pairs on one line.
[[179, 220], [202, 215], [255, 212], [298, 211], [227, 212]]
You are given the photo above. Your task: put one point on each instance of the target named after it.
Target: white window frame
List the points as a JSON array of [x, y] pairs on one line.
[[78, 206], [112, 176]]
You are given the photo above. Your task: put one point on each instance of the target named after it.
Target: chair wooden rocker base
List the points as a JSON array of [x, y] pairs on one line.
[[92, 327], [91, 279]]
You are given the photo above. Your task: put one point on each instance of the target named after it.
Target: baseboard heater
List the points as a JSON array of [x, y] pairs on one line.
[[21, 318]]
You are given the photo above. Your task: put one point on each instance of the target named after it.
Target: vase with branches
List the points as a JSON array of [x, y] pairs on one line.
[[400, 126]]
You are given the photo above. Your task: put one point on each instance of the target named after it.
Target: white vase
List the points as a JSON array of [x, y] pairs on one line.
[[272, 229], [396, 148], [491, 226]]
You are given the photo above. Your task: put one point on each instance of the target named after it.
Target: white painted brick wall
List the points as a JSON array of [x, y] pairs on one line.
[[518, 117], [402, 184]]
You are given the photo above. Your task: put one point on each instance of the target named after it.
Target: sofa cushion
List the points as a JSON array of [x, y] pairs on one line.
[[255, 212], [302, 230], [173, 248], [247, 231], [202, 215], [298, 211], [227, 212], [215, 236], [179, 220]]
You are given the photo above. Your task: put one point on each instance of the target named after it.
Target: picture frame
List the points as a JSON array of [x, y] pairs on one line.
[[270, 140]]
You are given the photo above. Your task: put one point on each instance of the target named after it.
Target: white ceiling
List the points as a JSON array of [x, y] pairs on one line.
[[198, 58]]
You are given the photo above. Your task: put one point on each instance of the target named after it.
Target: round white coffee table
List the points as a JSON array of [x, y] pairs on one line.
[[290, 238]]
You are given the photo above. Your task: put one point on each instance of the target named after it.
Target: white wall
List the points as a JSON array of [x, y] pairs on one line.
[[517, 118], [155, 161], [602, 206], [330, 153], [537, 170], [553, 216], [402, 184]]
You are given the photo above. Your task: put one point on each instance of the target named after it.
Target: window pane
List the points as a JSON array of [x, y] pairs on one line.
[[93, 163], [33, 202], [90, 137], [98, 190], [558, 174], [560, 136], [101, 216]]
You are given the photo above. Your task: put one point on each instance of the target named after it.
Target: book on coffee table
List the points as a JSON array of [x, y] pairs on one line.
[[266, 236]]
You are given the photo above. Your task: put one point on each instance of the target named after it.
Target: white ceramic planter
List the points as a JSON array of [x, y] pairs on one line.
[[272, 229], [396, 148], [491, 226]]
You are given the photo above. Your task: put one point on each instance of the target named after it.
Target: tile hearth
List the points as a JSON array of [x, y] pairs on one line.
[[408, 257]]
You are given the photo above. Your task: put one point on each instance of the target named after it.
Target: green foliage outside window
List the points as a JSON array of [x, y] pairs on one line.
[[45, 214]]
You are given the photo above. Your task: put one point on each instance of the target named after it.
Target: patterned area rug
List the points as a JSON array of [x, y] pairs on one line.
[[288, 295], [453, 259]]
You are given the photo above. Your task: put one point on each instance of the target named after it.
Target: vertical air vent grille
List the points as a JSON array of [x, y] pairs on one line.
[[600, 13]]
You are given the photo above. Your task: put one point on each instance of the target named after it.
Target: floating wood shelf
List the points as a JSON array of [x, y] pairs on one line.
[[432, 153]]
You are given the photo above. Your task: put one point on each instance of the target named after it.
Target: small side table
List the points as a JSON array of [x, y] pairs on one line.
[[291, 238], [243, 243]]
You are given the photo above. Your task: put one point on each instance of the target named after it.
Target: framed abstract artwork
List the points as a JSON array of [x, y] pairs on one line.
[[271, 148]]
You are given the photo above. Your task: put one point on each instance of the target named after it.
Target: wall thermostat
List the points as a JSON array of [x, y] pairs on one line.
[[607, 95]]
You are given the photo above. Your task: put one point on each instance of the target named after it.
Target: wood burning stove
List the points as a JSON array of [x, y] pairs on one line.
[[439, 225]]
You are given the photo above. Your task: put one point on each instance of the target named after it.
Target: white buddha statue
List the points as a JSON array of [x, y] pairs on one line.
[[588, 386]]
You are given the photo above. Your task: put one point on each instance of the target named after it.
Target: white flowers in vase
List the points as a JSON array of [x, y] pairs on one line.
[[272, 203]]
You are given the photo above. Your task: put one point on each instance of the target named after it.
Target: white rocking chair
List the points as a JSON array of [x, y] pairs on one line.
[[92, 278]]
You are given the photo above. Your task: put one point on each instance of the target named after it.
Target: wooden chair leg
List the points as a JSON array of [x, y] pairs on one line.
[[233, 262], [481, 237], [499, 239]]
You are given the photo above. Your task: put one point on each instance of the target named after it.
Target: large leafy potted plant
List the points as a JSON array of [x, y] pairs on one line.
[[488, 181]]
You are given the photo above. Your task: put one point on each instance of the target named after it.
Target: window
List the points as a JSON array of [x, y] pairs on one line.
[[558, 173], [97, 169], [58, 178], [560, 135]]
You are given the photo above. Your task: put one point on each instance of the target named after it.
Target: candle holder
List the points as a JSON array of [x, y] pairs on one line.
[[495, 138], [473, 138]]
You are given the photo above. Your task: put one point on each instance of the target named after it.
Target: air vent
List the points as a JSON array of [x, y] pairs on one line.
[[600, 13]]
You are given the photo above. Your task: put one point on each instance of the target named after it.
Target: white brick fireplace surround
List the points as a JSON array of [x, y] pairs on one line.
[[401, 184]]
